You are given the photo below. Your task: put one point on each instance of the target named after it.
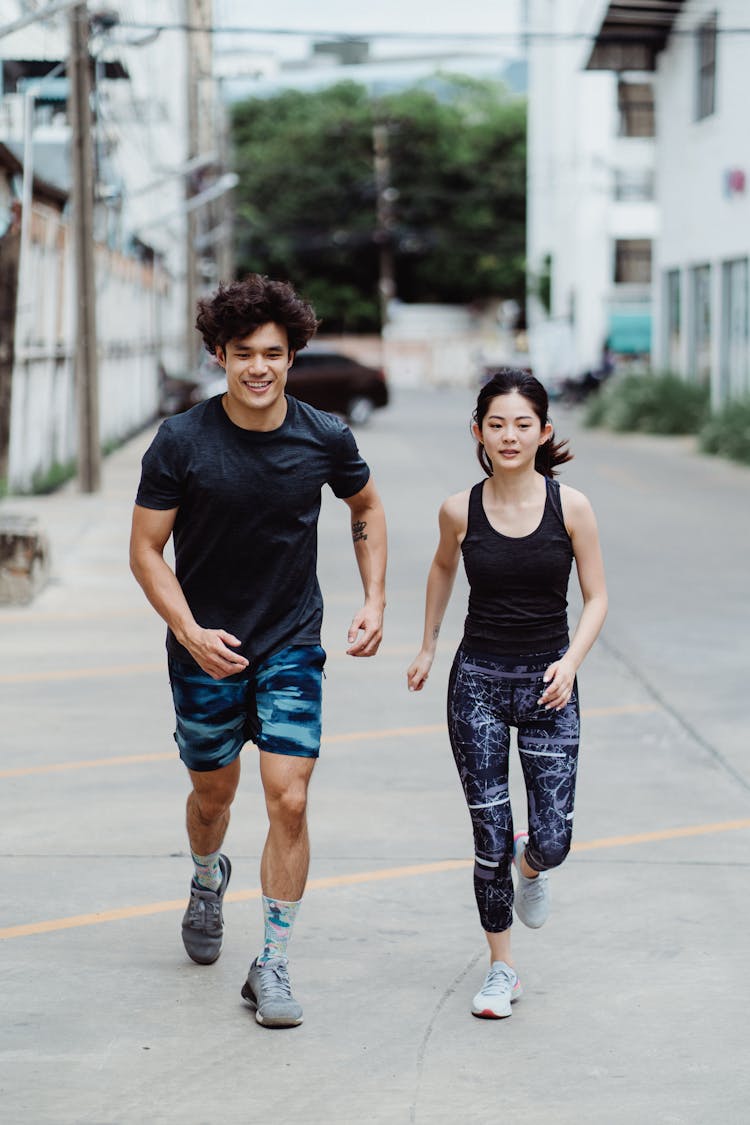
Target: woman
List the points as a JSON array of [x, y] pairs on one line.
[[518, 531]]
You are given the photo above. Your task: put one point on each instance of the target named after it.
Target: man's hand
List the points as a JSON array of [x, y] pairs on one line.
[[365, 632], [208, 647]]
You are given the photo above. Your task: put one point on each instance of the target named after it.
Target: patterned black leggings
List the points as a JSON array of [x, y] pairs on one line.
[[487, 696]]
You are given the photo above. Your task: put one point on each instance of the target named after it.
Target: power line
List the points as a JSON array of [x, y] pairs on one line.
[[33, 17], [445, 36]]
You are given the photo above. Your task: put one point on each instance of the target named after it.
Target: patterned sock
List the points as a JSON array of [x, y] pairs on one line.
[[207, 871], [278, 918]]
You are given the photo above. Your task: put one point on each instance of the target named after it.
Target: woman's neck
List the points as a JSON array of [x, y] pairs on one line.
[[518, 488]]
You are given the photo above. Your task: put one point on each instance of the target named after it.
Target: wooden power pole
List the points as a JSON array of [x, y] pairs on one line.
[[82, 162], [384, 230], [200, 139]]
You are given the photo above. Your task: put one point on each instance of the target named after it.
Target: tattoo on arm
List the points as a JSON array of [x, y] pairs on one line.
[[358, 530], [436, 631]]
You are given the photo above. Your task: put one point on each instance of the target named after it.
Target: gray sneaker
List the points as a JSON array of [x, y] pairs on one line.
[[203, 923], [501, 988], [267, 989], [531, 898]]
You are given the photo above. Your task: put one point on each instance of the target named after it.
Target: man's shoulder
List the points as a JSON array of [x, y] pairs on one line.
[[198, 416], [184, 428], [313, 421]]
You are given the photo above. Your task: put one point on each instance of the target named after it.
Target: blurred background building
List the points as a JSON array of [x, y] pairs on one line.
[[158, 146], [639, 216], [592, 215]]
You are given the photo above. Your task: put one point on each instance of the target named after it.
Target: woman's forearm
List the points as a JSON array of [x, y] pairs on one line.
[[439, 588]]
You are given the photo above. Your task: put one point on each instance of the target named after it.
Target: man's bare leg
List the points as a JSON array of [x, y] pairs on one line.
[[283, 874], [286, 855], [208, 808]]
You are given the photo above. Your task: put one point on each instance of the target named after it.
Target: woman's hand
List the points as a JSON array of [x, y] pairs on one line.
[[419, 670], [559, 678]]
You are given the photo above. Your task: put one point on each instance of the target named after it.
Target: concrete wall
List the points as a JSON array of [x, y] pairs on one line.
[[431, 345], [43, 423]]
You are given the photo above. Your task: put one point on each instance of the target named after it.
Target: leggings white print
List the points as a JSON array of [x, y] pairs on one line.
[[488, 695]]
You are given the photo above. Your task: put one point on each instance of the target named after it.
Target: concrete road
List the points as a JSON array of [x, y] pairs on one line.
[[635, 1005]]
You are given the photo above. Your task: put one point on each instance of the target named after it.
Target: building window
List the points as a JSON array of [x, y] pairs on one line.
[[633, 261], [634, 184], [705, 103], [735, 330], [700, 300], [673, 321], [635, 102]]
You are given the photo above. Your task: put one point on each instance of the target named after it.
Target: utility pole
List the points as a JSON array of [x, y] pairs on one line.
[[86, 369], [386, 195], [199, 49]]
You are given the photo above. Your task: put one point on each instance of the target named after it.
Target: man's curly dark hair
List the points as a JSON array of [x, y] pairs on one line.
[[237, 310]]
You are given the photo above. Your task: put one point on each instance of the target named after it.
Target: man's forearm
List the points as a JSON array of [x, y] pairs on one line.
[[370, 548], [159, 583]]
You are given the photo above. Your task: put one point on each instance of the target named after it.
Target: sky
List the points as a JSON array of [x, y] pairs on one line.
[[491, 23]]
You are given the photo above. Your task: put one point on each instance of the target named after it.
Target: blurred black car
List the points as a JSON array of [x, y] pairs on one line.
[[330, 380], [324, 378]]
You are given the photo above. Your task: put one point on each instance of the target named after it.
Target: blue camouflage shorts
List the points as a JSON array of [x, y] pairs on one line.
[[276, 704]]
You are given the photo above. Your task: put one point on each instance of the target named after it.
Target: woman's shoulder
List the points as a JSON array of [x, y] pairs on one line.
[[457, 504], [454, 511], [575, 505]]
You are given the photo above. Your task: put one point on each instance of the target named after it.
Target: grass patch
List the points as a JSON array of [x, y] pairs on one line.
[[649, 404], [45, 482], [727, 432]]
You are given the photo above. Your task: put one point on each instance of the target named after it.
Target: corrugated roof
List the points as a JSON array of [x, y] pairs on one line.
[[632, 34]]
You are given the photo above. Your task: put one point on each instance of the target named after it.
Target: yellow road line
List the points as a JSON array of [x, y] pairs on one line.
[[92, 763], [77, 921], [135, 759], [661, 834], [328, 739]]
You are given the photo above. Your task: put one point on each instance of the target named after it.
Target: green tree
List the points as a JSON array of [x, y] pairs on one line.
[[307, 196]]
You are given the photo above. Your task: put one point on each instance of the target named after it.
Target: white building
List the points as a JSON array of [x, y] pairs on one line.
[[699, 54], [592, 217], [702, 328]]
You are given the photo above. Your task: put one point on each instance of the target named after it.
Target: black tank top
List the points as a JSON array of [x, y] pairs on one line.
[[518, 586]]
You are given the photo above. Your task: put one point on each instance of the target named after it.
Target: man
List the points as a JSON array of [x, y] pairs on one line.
[[237, 482]]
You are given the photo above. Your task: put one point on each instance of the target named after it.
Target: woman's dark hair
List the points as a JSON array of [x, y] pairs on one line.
[[237, 310], [508, 379]]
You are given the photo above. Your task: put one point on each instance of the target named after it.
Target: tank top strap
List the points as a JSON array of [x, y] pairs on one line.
[[555, 503], [475, 505]]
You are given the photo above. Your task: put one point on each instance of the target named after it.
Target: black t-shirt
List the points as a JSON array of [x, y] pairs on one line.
[[245, 534]]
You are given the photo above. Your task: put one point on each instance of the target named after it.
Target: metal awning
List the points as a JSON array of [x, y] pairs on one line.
[[632, 34]]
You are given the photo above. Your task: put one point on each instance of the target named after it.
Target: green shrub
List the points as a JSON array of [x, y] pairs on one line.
[[727, 432], [651, 404], [596, 406]]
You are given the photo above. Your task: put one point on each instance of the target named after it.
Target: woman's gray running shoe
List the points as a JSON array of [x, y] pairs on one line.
[[501, 988], [267, 989], [203, 923], [531, 898]]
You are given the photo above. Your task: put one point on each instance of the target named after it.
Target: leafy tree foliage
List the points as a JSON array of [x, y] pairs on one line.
[[307, 197]]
